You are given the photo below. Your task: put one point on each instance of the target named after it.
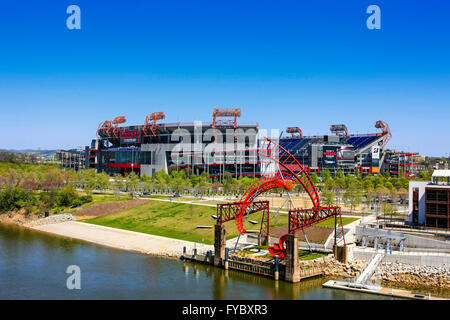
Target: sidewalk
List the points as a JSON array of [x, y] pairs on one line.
[[123, 239], [130, 240]]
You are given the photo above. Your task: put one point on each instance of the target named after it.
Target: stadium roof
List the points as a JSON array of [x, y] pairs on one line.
[[441, 173]]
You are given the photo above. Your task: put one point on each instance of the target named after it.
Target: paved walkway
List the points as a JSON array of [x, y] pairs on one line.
[[123, 239], [130, 240]]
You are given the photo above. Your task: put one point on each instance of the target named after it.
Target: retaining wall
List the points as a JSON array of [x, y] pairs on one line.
[[418, 258]]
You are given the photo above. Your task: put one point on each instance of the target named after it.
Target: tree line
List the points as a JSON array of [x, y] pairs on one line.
[[48, 187]]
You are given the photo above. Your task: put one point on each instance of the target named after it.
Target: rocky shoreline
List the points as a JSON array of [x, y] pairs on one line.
[[21, 219], [59, 218], [388, 273], [413, 275], [333, 268], [17, 218]]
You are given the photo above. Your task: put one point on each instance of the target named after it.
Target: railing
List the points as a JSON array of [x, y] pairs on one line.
[[250, 268], [311, 272]]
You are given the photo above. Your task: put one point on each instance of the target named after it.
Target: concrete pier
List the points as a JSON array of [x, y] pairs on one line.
[[219, 244], [341, 254], [292, 266]]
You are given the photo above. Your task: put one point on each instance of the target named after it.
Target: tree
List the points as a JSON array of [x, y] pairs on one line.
[[67, 196], [315, 178], [381, 194], [132, 183], [204, 183], [339, 187], [227, 177], [329, 198], [162, 180], [367, 183], [371, 195], [389, 186], [148, 185], [326, 175], [330, 184], [388, 210], [403, 194], [119, 184], [339, 175], [178, 181], [353, 197], [54, 178], [102, 181]]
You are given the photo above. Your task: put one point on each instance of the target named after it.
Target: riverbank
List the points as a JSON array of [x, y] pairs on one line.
[[17, 218]]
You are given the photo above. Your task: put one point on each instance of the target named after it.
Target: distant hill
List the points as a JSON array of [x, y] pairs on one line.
[[42, 152]]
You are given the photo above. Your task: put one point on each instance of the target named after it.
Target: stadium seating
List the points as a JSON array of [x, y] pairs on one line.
[[361, 141]]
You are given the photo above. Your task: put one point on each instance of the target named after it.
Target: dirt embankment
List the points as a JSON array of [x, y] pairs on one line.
[[18, 217], [107, 208]]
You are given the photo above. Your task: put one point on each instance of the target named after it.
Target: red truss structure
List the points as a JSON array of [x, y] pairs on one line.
[[103, 127], [304, 218], [111, 127], [114, 130], [152, 128], [339, 129], [230, 113], [231, 123], [294, 130], [228, 211], [385, 130], [289, 173]]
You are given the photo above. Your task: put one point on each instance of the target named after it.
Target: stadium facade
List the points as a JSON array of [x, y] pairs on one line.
[[156, 145]]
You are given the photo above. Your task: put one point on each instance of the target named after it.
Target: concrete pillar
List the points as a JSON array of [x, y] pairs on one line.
[[341, 254], [263, 240], [226, 259], [277, 267], [292, 266], [219, 244]]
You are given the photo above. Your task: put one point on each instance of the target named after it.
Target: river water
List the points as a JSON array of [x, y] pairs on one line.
[[33, 266]]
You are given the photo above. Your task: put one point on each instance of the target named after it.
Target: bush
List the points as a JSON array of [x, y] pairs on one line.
[[13, 198], [86, 199], [77, 203], [67, 196]]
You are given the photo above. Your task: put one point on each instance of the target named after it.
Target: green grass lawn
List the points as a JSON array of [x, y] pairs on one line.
[[330, 222], [306, 255], [175, 220]]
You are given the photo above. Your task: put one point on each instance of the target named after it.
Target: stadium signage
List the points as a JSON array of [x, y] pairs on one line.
[[329, 155], [131, 134]]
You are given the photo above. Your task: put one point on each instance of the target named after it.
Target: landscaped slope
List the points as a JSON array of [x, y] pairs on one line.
[[175, 220]]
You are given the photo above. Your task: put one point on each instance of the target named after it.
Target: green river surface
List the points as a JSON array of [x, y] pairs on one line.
[[33, 266]]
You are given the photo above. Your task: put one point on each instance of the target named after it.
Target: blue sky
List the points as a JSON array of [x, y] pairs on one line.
[[284, 63]]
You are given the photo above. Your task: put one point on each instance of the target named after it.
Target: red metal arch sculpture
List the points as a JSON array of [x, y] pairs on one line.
[[290, 173]]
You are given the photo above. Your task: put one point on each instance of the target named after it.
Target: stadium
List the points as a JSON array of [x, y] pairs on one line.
[[225, 145]]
